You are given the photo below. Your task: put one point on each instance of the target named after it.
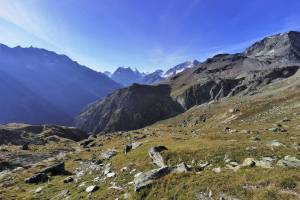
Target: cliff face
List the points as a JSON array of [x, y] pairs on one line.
[[129, 108]]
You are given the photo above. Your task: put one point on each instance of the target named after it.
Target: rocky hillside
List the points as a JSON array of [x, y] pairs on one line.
[[24, 134], [39, 86], [129, 108], [241, 148], [268, 60]]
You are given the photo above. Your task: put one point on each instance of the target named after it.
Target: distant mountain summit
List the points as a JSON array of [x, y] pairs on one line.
[[180, 68], [40, 86], [127, 76]]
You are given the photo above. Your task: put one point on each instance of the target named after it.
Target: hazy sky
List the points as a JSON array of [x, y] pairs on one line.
[[146, 34]]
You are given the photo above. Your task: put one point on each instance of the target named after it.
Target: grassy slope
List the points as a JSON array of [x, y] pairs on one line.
[[188, 141]]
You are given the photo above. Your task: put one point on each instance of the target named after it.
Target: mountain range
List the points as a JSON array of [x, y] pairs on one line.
[[127, 76], [273, 58], [40, 86]]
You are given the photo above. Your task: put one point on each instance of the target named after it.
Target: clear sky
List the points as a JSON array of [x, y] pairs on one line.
[[146, 34]]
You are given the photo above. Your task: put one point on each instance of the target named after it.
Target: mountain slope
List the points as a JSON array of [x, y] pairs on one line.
[[129, 108], [44, 87], [231, 74]]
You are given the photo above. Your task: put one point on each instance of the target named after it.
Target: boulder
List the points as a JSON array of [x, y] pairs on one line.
[[37, 178], [68, 179], [289, 161], [146, 178], [131, 146], [108, 154], [55, 169], [154, 153], [249, 162], [91, 188], [217, 170]]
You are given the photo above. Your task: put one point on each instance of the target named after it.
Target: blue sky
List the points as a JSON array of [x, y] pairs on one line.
[[147, 35]]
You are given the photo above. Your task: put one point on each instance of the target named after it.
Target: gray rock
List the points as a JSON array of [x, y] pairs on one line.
[[278, 130], [249, 162], [108, 154], [56, 169], [131, 146], [146, 178], [265, 162], [91, 188], [289, 161], [37, 178], [275, 143], [154, 153], [38, 190], [217, 170], [204, 195], [68, 179], [87, 143], [233, 110], [296, 146]]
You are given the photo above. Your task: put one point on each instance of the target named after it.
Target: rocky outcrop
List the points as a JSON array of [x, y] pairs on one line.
[[283, 48], [271, 59], [147, 178], [129, 108], [215, 89], [37, 178], [24, 134]]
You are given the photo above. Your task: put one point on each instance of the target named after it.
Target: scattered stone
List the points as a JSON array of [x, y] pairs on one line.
[[202, 166], [68, 179], [63, 193], [154, 153], [204, 195], [286, 120], [289, 161], [278, 130], [249, 162], [255, 138], [275, 143], [124, 169], [38, 190], [233, 110], [108, 154], [296, 146], [115, 187], [86, 143], [126, 196], [217, 170], [265, 162], [56, 169], [91, 188], [111, 174], [131, 146], [37, 178]]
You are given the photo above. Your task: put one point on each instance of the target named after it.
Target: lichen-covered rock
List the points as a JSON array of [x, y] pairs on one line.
[[154, 153], [108, 154], [289, 161], [145, 178]]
